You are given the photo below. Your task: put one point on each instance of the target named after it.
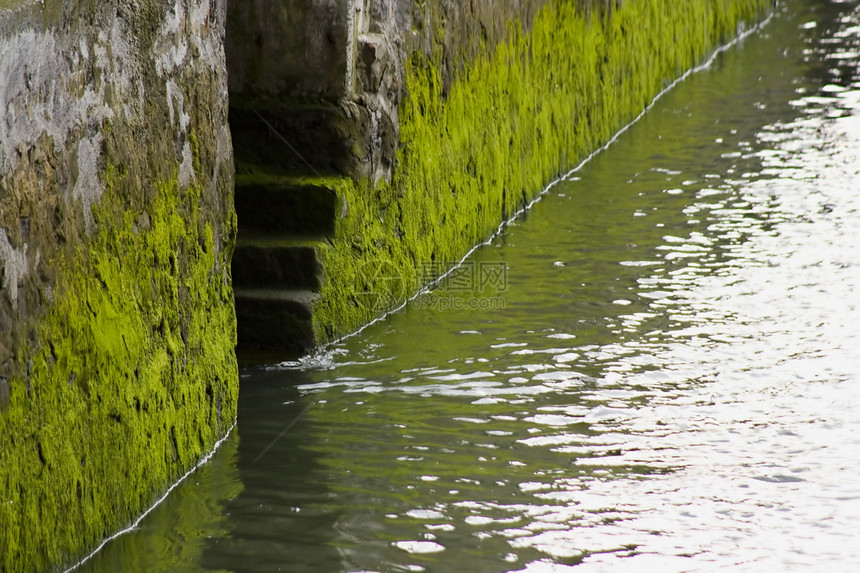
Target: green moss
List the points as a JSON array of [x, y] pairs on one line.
[[510, 122], [131, 379]]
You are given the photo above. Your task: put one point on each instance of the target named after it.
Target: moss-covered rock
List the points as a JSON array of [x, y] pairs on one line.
[[117, 328], [480, 133], [130, 380]]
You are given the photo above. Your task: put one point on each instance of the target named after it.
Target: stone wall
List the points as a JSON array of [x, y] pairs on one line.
[[483, 126], [328, 74], [117, 328]]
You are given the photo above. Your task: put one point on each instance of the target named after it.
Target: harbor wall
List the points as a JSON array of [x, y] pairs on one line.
[[117, 327]]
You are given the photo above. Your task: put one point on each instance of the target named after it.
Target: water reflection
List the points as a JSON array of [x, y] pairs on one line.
[[173, 536], [282, 518], [669, 386]]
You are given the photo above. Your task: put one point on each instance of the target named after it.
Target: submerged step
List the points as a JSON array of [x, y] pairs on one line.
[[275, 319], [295, 205], [288, 263]]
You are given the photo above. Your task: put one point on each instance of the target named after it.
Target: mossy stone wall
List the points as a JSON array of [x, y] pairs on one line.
[[482, 127], [117, 328]]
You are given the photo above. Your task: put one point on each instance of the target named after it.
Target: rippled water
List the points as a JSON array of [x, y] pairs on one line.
[[671, 382]]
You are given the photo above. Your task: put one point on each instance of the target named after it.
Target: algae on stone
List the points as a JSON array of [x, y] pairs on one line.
[[117, 330], [133, 382], [479, 142]]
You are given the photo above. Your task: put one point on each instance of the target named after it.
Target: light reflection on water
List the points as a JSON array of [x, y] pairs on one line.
[[670, 386]]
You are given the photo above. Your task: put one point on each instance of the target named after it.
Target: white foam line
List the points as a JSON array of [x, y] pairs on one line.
[[136, 522], [426, 288]]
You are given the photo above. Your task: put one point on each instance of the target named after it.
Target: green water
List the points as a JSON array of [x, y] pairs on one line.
[[653, 369]]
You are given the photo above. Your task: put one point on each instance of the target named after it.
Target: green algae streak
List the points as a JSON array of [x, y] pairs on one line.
[[510, 123], [133, 380]]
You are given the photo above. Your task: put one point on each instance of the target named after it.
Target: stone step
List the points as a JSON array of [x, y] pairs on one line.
[[267, 203], [275, 319], [261, 261], [305, 138]]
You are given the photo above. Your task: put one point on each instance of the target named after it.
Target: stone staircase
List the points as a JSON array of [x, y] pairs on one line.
[[287, 208], [284, 221]]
